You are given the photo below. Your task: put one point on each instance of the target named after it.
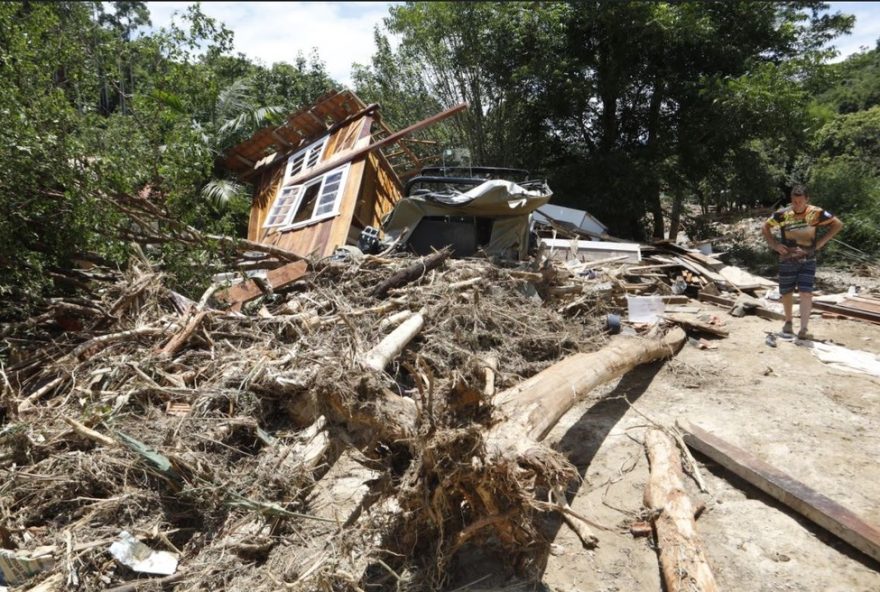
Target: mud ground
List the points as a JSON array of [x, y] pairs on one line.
[[820, 425]]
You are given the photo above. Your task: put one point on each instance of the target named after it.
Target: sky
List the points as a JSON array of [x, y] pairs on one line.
[[272, 32], [342, 32]]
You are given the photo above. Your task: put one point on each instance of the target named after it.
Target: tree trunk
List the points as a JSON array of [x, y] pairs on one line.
[[682, 560], [675, 216], [653, 196], [532, 408]]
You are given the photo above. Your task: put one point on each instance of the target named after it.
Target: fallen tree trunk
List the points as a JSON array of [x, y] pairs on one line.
[[533, 407], [682, 560]]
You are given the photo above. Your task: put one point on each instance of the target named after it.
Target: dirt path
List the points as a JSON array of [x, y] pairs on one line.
[[819, 424]]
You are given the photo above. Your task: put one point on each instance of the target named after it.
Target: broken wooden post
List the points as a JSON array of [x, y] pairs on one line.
[[390, 347], [411, 273], [682, 560], [179, 339], [825, 512]]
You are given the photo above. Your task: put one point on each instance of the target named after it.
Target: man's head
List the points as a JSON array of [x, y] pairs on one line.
[[799, 198]]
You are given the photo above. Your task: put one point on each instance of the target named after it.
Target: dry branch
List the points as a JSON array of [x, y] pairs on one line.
[[390, 347], [411, 272]]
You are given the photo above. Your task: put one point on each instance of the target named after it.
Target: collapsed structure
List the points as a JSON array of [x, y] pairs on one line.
[[371, 424]]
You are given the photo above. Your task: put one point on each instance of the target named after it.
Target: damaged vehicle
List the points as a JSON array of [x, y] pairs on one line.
[[470, 209]]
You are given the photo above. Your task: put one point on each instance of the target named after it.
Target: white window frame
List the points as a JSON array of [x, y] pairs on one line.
[[300, 191], [313, 152]]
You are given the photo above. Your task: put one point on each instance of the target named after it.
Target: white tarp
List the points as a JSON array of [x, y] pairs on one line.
[[507, 203], [842, 358]]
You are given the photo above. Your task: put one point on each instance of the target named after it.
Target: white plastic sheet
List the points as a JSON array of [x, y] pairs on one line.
[[131, 552], [842, 358]]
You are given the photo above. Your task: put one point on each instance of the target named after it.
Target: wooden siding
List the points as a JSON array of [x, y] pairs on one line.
[[321, 238]]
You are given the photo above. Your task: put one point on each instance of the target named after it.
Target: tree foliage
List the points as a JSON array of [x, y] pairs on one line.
[[92, 106], [618, 103], [631, 110]]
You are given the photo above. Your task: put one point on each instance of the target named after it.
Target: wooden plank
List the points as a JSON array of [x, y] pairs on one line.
[[727, 302], [822, 510], [869, 305], [248, 290], [652, 267], [847, 311], [745, 280], [352, 156], [696, 325]]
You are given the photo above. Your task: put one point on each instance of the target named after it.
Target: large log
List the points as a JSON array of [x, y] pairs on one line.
[[682, 560], [533, 407]]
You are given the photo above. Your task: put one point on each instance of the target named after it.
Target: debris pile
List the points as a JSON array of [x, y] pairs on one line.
[[220, 437]]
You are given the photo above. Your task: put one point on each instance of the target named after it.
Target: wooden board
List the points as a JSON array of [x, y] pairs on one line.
[[248, 290], [727, 302], [695, 324], [869, 305], [744, 280], [847, 311], [823, 511]]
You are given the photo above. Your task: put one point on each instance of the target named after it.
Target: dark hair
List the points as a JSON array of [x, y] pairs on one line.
[[800, 190]]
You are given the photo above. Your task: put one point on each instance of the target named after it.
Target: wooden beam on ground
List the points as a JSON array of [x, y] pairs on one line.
[[238, 294], [729, 302], [696, 325], [847, 311], [682, 560], [823, 511]]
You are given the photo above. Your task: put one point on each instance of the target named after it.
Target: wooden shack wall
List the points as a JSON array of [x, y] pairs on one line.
[[321, 238], [380, 192]]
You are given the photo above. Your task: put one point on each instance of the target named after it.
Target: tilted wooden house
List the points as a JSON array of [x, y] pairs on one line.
[[320, 178]]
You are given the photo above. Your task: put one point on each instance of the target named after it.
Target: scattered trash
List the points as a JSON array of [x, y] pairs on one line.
[[132, 553], [640, 529], [704, 344], [19, 566], [612, 322]]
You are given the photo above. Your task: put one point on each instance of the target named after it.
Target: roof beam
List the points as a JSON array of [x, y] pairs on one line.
[[351, 156]]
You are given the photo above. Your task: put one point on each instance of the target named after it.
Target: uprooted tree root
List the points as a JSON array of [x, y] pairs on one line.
[[210, 446]]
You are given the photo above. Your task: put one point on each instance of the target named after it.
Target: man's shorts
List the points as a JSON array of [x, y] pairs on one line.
[[797, 273]]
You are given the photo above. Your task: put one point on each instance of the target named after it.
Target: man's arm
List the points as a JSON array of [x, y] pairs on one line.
[[771, 240], [833, 228]]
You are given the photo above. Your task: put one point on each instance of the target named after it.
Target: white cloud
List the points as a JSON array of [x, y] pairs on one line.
[[342, 32], [866, 30]]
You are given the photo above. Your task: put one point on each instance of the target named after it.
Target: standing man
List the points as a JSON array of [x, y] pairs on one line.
[[797, 245]]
